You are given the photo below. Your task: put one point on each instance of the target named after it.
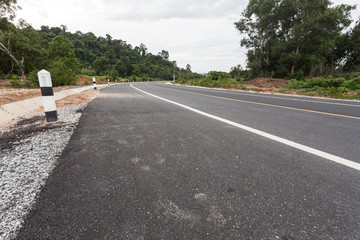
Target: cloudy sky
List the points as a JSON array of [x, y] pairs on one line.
[[200, 32]]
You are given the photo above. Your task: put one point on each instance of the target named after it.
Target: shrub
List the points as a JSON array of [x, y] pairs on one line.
[[15, 83], [61, 74], [32, 80], [353, 83], [299, 75], [88, 72], [297, 84]]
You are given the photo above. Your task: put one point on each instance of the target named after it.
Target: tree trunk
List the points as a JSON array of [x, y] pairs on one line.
[[20, 63], [293, 66]]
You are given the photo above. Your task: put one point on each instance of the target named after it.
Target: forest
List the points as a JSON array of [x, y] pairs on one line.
[[67, 55], [25, 50]]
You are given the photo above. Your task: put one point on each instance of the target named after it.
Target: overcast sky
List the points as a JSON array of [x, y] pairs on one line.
[[200, 32]]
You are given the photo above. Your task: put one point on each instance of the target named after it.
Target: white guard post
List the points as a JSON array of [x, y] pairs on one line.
[[94, 83], [47, 95], [108, 82]]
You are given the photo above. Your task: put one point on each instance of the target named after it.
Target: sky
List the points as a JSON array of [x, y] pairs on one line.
[[200, 33]]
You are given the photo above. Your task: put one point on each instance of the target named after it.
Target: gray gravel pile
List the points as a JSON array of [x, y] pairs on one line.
[[26, 164]]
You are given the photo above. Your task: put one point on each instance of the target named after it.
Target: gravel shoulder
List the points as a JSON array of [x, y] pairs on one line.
[[29, 150]]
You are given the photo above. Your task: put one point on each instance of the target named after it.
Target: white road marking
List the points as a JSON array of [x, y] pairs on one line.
[[304, 148], [285, 98]]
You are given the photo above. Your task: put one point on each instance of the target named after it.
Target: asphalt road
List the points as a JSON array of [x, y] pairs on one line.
[[140, 167]]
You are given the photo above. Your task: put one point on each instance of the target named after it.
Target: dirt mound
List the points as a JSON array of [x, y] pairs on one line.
[[82, 80], [266, 82]]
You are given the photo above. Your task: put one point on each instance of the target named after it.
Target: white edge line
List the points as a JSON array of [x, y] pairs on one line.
[[287, 97], [304, 148]]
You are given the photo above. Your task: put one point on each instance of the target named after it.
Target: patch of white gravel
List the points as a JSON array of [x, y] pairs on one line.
[[25, 167]]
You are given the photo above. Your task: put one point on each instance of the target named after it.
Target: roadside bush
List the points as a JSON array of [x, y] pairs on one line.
[[14, 77], [15, 83], [32, 80], [353, 83], [317, 82], [336, 92], [299, 75], [87, 72], [61, 75]]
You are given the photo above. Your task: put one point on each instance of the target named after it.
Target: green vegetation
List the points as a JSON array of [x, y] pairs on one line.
[[337, 87], [67, 55], [299, 38], [304, 41], [215, 79]]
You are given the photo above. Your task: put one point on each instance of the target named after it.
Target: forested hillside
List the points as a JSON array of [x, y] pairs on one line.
[[67, 54]]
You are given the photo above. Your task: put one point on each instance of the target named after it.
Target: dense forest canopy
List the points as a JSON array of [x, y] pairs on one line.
[[24, 50], [55, 48], [299, 37]]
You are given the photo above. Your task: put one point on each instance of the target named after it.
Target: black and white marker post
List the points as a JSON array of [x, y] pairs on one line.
[[108, 82], [47, 96], [94, 83]]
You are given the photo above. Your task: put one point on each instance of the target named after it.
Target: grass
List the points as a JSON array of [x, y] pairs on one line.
[[347, 87]]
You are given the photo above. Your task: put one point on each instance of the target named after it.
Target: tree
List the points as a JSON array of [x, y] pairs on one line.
[[143, 50], [100, 65], [285, 36], [352, 61], [120, 67], [61, 48], [20, 44], [188, 68], [64, 64], [19, 63], [237, 72], [7, 11], [164, 55], [8, 8], [61, 74], [136, 70]]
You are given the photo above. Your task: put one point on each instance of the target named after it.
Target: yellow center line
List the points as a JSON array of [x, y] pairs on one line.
[[263, 104]]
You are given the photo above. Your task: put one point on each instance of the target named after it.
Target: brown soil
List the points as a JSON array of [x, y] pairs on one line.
[[82, 80], [268, 82], [9, 95], [75, 99], [80, 98]]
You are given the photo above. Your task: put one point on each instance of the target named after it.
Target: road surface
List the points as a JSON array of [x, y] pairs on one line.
[[156, 161]]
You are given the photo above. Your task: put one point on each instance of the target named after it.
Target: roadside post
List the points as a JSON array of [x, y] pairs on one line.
[[108, 82], [174, 78], [94, 83], [47, 95], [115, 82]]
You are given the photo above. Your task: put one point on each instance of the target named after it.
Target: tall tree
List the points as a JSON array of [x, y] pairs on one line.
[[352, 62], [64, 64], [284, 36], [164, 55], [8, 8], [61, 48]]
